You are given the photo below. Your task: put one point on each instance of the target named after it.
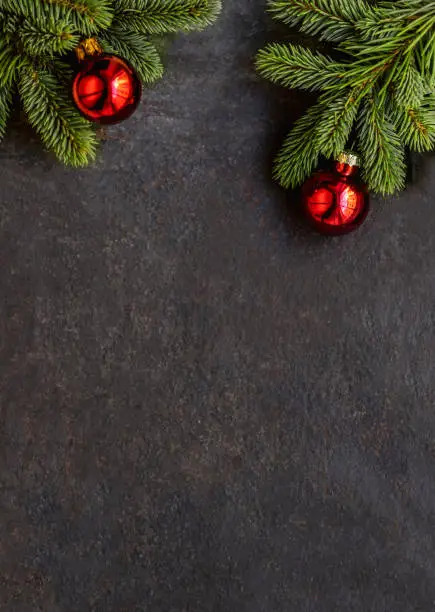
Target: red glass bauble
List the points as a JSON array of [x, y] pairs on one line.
[[336, 202], [106, 89]]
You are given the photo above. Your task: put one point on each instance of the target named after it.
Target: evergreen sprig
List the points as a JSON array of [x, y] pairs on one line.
[[377, 87], [37, 39]]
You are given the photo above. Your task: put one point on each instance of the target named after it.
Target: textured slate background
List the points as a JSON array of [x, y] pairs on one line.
[[204, 407]]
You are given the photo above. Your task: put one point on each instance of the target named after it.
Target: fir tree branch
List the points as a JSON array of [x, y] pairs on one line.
[[166, 16], [87, 16], [383, 86], [390, 57], [382, 150], [410, 88], [416, 126], [389, 19], [335, 124], [48, 108], [332, 20], [52, 38], [9, 24], [137, 50], [295, 66], [5, 107], [300, 154], [10, 63]]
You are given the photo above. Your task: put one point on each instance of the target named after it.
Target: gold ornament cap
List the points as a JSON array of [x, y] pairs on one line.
[[88, 47], [349, 158]]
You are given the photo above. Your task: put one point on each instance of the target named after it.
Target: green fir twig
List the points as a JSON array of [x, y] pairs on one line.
[[378, 84]]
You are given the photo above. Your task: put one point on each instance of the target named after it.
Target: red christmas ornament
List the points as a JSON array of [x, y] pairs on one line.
[[106, 90], [336, 202]]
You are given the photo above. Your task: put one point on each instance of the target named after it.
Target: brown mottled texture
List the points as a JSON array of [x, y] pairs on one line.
[[204, 407]]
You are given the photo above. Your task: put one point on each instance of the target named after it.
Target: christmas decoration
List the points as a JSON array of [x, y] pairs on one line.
[[336, 202], [106, 89], [37, 61], [376, 84]]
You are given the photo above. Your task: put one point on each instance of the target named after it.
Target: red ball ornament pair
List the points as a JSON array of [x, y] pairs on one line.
[[336, 202], [106, 89]]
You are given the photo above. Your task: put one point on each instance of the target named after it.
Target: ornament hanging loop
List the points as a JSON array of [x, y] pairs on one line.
[[87, 48]]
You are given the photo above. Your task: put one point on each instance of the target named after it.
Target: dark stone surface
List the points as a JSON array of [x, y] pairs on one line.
[[204, 407]]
